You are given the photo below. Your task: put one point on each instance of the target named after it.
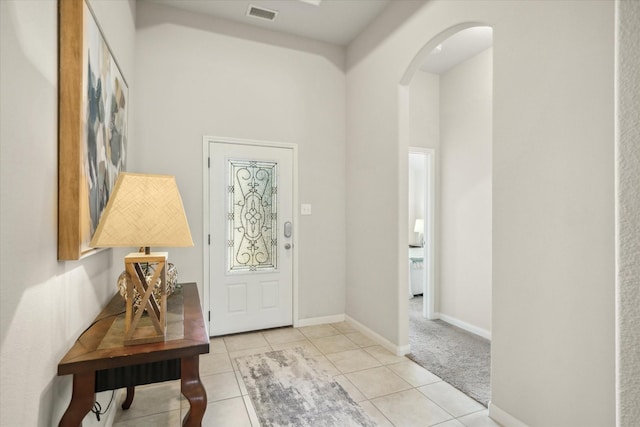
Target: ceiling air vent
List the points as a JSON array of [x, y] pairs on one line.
[[262, 13]]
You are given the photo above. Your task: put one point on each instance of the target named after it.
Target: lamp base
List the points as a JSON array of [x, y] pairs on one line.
[[144, 335], [139, 329]]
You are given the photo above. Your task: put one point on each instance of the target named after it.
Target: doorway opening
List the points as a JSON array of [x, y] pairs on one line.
[[447, 97], [422, 235]]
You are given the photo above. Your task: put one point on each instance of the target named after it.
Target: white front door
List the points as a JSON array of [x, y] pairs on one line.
[[251, 224]]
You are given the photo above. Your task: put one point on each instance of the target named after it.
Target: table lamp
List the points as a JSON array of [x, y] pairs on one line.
[[144, 210], [419, 228]]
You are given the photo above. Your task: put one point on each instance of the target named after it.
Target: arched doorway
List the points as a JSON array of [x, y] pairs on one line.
[[454, 70]]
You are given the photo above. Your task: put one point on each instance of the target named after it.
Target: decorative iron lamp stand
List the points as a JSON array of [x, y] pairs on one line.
[[144, 210]]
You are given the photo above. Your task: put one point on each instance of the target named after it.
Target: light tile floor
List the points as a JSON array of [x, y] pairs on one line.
[[393, 390]]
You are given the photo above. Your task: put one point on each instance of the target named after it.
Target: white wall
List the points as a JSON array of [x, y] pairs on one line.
[[424, 110], [465, 193], [203, 76], [45, 304], [424, 98], [553, 222], [628, 212], [553, 214], [417, 192]]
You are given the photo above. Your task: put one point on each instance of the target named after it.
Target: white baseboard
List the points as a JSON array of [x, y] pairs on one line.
[[466, 326], [312, 321], [504, 418], [395, 349]]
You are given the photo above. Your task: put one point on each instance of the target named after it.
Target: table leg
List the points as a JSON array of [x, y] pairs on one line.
[[193, 390], [82, 399], [129, 399]]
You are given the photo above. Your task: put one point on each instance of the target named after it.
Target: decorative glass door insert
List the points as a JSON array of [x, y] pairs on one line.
[[252, 216]]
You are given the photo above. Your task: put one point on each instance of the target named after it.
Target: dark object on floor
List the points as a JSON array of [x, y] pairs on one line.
[[460, 358]]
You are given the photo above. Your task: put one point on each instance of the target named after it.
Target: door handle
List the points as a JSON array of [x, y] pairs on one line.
[[287, 245], [287, 229]]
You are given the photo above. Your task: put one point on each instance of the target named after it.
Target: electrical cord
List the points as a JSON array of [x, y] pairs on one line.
[[99, 320], [97, 408]]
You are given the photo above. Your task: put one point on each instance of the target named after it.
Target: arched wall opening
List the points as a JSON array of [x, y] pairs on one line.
[[404, 142], [453, 70]]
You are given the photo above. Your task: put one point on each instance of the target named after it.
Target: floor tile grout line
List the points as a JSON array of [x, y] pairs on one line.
[[453, 417], [382, 364], [381, 413], [269, 346], [415, 388], [440, 406], [115, 423]]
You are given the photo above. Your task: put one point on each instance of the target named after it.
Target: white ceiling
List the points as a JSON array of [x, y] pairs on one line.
[[457, 48], [333, 21]]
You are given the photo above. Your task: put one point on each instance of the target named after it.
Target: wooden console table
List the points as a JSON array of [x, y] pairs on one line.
[[96, 367]]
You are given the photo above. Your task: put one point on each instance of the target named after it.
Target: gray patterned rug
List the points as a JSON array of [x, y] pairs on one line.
[[459, 357], [288, 388]]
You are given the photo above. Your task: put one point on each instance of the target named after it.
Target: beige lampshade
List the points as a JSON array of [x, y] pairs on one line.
[[143, 210]]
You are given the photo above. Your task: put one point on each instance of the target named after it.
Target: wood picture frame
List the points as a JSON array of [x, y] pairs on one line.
[[92, 127]]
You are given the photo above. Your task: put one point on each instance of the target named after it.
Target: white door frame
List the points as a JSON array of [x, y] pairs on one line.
[[206, 140], [428, 279]]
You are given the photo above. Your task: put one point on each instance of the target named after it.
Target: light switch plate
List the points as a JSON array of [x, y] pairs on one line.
[[305, 209]]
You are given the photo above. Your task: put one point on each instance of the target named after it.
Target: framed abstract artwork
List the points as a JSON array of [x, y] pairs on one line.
[[92, 139]]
